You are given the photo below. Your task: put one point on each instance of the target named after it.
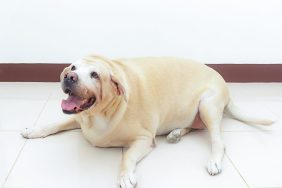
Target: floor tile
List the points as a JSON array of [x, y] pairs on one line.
[[25, 90], [231, 125], [182, 165], [257, 156], [10, 146], [259, 109], [254, 91], [275, 106], [57, 92], [65, 160], [52, 113], [17, 114]]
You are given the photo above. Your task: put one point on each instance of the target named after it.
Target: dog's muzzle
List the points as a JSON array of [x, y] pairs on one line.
[[70, 79], [74, 103]]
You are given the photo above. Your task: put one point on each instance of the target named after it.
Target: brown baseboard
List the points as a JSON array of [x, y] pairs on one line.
[[38, 72], [249, 72], [35, 72]]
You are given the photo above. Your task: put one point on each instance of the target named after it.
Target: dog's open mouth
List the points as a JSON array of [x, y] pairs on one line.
[[75, 104]]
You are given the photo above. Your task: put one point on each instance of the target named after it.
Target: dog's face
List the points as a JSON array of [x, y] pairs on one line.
[[87, 83]]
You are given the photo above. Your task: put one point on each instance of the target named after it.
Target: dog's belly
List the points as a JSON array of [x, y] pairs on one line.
[[193, 122], [95, 139], [167, 128], [179, 123], [198, 123]]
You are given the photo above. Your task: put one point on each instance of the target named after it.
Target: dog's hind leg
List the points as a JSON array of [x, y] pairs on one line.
[[211, 110], [175, 135]]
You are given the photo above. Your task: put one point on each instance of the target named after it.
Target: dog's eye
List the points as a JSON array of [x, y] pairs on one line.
[[94, 75], [73, 68]]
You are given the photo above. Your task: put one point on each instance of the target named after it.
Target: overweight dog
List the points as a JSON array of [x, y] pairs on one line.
[[128, 102]]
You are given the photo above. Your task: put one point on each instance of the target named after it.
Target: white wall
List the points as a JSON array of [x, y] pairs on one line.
[[213, 31]]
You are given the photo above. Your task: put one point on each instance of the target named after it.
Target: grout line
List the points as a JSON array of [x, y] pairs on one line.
[[268, 187], [256, 100], [239, 131], [237, 170], [23, 145], [254, 131]]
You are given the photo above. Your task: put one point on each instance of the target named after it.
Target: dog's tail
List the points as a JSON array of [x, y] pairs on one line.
[[248, 117]]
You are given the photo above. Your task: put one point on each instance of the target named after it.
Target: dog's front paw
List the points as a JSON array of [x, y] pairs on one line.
[[33, 133], [127, 180], [214, 167]]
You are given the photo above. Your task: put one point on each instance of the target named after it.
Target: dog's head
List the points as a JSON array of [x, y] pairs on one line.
[[88, 82]]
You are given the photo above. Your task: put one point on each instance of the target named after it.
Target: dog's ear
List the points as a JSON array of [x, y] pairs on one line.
[[118, 87]]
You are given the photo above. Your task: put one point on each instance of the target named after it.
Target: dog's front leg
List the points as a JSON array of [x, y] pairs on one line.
[[137, 151], [41, 132]]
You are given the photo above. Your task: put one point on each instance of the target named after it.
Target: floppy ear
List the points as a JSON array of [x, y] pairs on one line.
[[118, 87]]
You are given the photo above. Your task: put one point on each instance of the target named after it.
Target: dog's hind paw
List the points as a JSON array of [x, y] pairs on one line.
[[174, 136], [214, 167], [127, 180]]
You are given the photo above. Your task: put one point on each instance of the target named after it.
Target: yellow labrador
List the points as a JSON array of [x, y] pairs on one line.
[[127, 102]]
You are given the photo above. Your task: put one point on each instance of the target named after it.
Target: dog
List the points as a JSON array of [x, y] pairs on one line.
[[128, 102]]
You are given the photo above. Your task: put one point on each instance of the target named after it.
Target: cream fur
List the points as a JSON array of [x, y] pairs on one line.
[[152, 96]]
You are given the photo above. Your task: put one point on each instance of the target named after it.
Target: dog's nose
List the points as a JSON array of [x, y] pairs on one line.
[[71, 77]]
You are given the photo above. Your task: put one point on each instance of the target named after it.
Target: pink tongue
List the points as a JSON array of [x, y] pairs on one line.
[[71, 103]]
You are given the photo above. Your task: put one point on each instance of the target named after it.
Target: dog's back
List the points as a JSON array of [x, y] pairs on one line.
[[170, 88]]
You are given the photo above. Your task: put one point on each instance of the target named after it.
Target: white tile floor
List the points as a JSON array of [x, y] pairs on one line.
[[253, 156]]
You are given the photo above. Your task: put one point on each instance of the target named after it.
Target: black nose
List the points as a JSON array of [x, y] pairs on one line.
[[71, 77], [70, 80]]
